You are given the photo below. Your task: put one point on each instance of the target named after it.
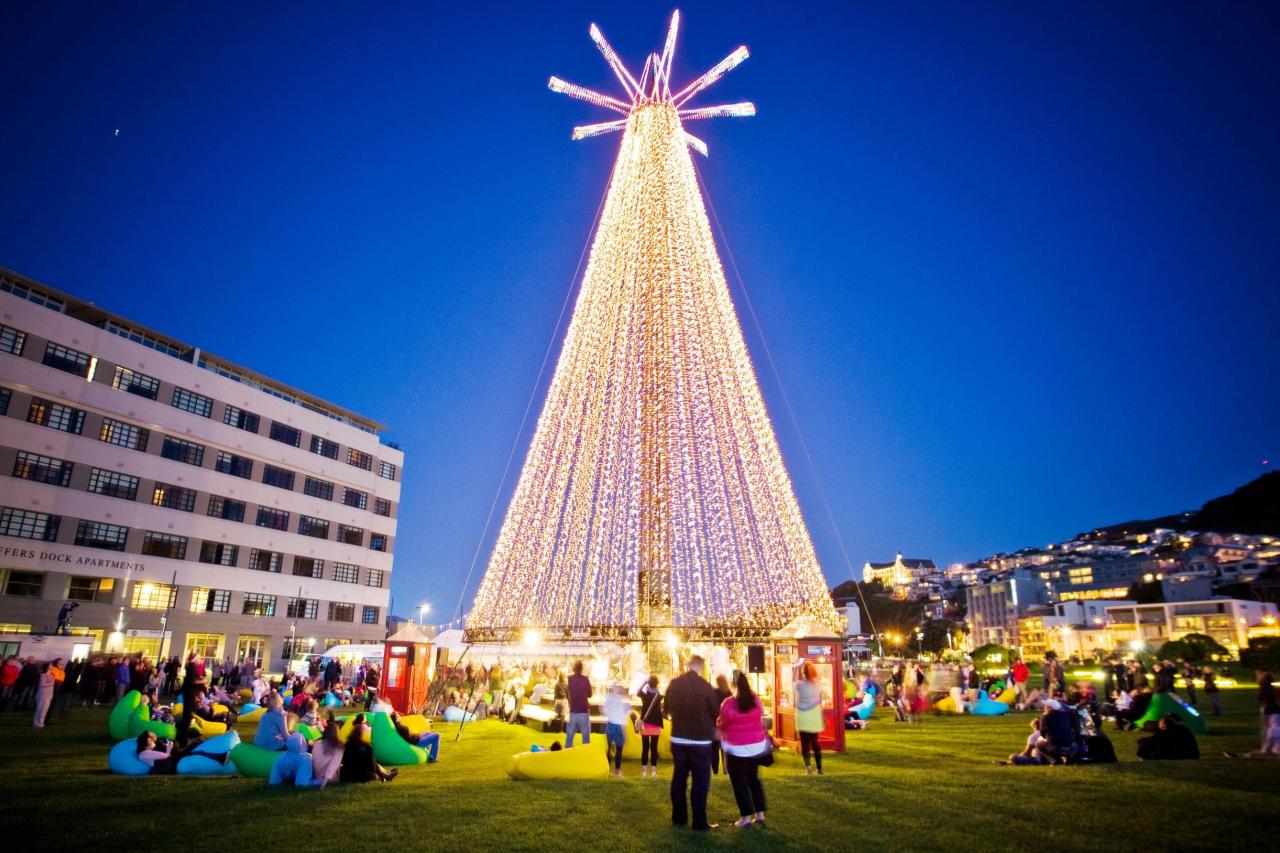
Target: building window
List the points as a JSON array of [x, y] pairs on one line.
[[265, 561], [69, 360], [386, 470], [382, 506], [274, 518], [220, 507], [317, 489], [236, 466], [112, 484], [354, 498], [359, 459], [302, 608], [346, 573], [5, 396], [204, 646], [350, 535], [378, 542], [218, 553], [29, 525], [210, 600], [374, 578], [308, 567], [278, 477], [123, 435], [240, 419], [56, 416], [174, 497], [256, 604], [90, 589], [24, 584], [41, 469], [324, 447], [182, 451], [339, 612], [369, 616], [11, 340], [154, 596], [316, 527], [136, 383], [285, 434], [294, 646], [164, 545], [190, 401], [96, 534]]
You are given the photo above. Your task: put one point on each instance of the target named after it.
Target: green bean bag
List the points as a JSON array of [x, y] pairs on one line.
[[254, 761], [118, 722], [389, 747], [311, 733], [1163, 704], [141, 722]]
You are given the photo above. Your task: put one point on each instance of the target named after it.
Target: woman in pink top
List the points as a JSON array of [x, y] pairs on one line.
[[745, 742]]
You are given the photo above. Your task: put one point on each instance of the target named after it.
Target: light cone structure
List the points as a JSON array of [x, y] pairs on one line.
[[653, 498]]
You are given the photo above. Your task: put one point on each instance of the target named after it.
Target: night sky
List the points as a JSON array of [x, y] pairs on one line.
[[1017, 263]]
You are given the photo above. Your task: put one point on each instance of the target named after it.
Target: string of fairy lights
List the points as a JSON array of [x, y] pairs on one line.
[[653, 497]]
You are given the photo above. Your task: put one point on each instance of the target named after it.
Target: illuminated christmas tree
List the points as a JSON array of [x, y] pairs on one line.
[[653, 499]]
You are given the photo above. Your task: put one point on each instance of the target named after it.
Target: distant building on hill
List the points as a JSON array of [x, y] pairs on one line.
[[994, 608], [901, 575]]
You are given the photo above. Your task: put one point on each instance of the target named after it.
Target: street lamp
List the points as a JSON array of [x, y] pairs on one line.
[[423, 609], [919, 643]]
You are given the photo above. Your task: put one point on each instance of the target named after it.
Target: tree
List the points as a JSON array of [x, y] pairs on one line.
[[992, 655], [1263, 653], [936, 633], [1146, 592], [1194, 649]]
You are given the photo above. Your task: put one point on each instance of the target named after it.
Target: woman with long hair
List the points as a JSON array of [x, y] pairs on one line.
[[650, 726], [809, 721], [745, 743]]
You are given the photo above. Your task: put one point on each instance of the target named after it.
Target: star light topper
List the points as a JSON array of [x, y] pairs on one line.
[[653, 87]]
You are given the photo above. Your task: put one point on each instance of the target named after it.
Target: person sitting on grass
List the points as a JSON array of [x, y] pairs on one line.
[[205, 711], [1030, 754], [358, 764], [1270, 742], [274, 727], [1169, 740], [430, 741], [326, 754], [1058, 726], [294, 766]]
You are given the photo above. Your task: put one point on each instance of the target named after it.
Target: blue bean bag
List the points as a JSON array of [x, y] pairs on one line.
[[454, 714], [220, 745], [330, 701], [123, 759], [988, 707], [251, 713], [203, 765]]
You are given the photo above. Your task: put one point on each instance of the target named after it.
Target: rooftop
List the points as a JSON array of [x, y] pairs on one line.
[[41, 294]]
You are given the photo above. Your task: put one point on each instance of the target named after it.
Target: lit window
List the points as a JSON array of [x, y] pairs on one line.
[[90, 589], [256, 604], [174, 497], [359, 459], [55, 416], [123, 435], [154, 596]]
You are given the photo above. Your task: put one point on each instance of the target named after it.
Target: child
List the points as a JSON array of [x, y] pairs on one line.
[[1030, 754], [617, 712]]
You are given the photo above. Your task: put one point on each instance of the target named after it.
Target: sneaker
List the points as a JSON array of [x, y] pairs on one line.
[[744, 822]]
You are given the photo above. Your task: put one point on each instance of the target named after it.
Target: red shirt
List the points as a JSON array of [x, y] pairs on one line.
[[1020, 673], [9, 674]]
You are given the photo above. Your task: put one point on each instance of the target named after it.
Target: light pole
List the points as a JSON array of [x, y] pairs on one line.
[[920, 644]]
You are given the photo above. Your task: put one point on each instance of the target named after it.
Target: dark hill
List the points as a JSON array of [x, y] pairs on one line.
[[1253, 508]]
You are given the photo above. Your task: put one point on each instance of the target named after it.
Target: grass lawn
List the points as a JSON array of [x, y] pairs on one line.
[[930, 786]]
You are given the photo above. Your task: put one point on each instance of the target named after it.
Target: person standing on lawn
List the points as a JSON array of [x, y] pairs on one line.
[[691, 704], [579, 706], [1020, 674], [809, 721], [1211, 690], [650, 726], [45, 685], [745, 744], [722, 693]]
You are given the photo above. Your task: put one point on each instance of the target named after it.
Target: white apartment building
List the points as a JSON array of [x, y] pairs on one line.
[[1230, 621], [184, 502]]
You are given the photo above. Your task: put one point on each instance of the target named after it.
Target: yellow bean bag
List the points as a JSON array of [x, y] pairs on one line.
[[246, 694], [208, 728], [417, 724], [584, 761], [946, 705], [1008, 696], [631, 749]]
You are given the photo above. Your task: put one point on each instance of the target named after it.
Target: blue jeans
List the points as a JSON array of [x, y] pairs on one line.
[[577, 723], [430, 741], [689, 761], [617, 739]]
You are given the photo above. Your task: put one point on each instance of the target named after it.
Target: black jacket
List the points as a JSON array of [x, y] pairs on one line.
[[691, 704]]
